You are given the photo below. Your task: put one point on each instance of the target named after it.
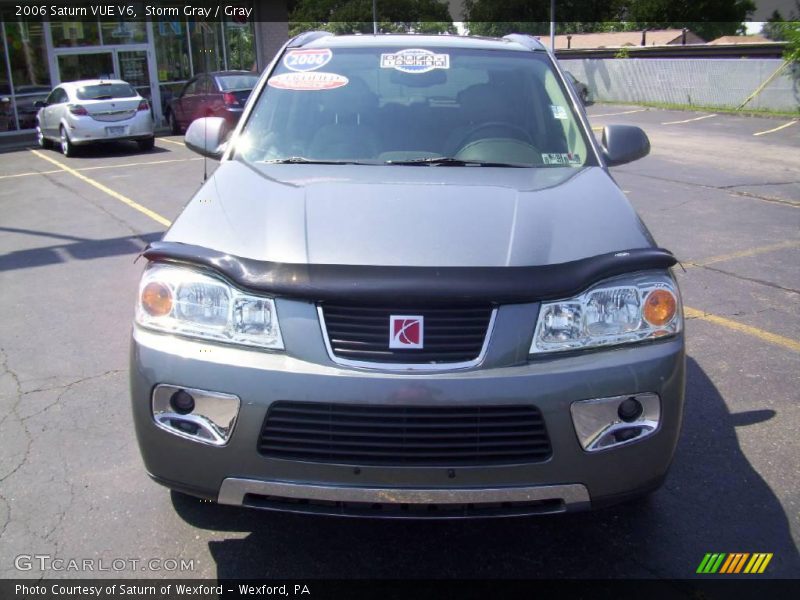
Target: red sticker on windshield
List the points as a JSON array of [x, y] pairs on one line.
[[310, 81]]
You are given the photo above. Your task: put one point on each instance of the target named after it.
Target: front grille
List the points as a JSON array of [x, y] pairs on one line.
[[451, 334], [404, 435]]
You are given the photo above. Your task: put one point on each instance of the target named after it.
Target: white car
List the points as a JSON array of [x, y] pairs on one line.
[[94, 110]]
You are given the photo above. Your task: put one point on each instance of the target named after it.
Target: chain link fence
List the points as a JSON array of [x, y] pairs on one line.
[[708, 82]]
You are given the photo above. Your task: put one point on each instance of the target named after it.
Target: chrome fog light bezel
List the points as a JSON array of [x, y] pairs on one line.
[[214, 414], [597, 422]]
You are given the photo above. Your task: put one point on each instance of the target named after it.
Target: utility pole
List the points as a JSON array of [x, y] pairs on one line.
[[375, 17], [553, 26]]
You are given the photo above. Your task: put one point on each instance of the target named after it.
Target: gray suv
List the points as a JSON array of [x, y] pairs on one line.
[[411, 289]]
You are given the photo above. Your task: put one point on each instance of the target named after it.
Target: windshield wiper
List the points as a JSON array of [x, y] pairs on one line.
[[301, 160], [103, 98], [449, 161]]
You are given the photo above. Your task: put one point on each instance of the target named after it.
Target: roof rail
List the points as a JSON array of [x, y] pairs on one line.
[[530, 42], [307, 37]]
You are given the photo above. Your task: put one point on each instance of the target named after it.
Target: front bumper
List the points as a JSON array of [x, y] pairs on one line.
[[571, 479]]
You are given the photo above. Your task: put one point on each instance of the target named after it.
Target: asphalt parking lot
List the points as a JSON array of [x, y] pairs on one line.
[[722, 192]]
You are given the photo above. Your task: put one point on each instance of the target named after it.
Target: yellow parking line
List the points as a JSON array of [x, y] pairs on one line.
[[743, 253], [124, 165], [138, 164], [171, 141], [597, 129], [627, 112], [690, 120], [766, 336], [116, 195], [28, 174], [784, 126]]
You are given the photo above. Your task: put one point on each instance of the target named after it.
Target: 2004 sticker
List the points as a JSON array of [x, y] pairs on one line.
[[307, 60], [311, 81], [415, 60]]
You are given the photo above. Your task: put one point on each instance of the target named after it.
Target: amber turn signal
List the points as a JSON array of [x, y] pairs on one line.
[[660, 307], [156, 299]]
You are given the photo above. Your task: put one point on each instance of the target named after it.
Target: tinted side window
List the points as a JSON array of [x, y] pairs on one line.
[[190, 89]]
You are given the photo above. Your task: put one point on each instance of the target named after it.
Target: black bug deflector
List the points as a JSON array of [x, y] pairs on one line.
[[368, 283]]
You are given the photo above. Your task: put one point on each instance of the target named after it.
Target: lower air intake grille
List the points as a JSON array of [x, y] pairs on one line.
[[404, 435]]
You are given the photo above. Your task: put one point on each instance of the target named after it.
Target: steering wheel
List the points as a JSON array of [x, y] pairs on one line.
[[519, 131]]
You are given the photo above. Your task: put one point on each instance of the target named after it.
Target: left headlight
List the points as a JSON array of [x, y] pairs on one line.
[[615, 311], [188, 302]]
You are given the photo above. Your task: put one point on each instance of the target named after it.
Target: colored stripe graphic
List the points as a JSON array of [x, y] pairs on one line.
[[733, 563], [711, 563], [758, 563]]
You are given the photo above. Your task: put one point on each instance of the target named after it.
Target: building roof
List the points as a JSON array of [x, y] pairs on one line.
[[620, 39], [740, 39]]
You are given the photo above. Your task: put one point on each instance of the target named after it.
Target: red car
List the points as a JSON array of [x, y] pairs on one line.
[[220, 94]]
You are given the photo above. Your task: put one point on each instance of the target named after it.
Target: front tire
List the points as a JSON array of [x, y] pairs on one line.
[[41, 140], [147, 144], [67, 147]]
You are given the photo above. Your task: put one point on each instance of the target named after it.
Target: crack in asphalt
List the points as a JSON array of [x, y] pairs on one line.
[[66, 388], [750, 279], [729, 189], [124, 223], [7, 370]]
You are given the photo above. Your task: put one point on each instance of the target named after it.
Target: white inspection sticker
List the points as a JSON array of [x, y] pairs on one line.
[[415, 60], [307, 60], [561, 159], [559, 112], [310, 81]]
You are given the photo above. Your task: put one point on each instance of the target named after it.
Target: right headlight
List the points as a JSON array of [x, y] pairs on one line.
[[193, 303], [616, 311]]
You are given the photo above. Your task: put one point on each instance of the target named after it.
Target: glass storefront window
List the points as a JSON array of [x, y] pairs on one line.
[[207, 54], [123, 32], [172, 51], [241, 46], [28, 56], [75, 34]]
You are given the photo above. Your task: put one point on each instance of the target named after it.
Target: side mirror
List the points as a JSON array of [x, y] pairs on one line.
[[39, 104], [623, 144], [206, 136]]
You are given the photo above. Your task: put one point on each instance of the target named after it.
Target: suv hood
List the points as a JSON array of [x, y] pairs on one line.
[[427, 216]]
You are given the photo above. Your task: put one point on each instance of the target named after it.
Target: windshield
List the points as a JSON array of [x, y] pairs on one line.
[[414, 107], [237, 82], [105, 91]]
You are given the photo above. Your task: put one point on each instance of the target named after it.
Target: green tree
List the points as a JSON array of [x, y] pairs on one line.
[[355, 16], [707, 18], [774, 26]]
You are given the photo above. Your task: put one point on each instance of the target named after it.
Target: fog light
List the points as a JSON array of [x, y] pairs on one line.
[[630, 409], [603, 423], [183, 403], [197, 415]]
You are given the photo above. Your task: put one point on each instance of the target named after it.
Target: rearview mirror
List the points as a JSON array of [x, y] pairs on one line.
[[623, 144], [39, 104], [207, 136]]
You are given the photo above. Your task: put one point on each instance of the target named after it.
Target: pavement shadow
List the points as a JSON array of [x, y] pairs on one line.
[[713, 501], [76, 249], [109, 149]]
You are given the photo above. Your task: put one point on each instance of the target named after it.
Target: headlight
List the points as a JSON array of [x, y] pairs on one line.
[[187, 302], [616, 311]]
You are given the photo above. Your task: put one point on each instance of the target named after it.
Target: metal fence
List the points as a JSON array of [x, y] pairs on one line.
[[707, 82]]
